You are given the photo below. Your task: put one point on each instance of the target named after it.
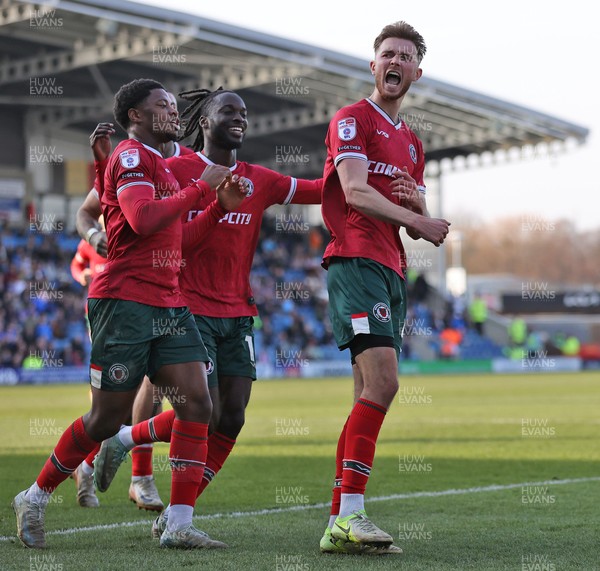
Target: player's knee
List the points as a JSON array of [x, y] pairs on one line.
[[215, 418], [195, 406], [387, 389], [392, 387], [203, 404], [99, 427], [232, 421]]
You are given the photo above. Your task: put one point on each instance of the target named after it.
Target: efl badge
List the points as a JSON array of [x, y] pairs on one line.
[[413, 153], [347, 129], [382, 312], [130, 158]]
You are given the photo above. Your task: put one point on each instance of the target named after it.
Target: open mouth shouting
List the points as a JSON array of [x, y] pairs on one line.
[[393, 78]]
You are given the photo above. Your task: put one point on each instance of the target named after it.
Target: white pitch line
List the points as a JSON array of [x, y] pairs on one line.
[[303, 507]]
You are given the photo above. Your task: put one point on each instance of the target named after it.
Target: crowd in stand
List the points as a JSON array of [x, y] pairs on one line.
[[42, 308], [290, 290]]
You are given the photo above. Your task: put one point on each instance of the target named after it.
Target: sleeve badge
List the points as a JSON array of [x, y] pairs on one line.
[[347, 129], [130, 158]]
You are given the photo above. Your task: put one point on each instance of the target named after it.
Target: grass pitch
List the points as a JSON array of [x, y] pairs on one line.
[[474, 472]]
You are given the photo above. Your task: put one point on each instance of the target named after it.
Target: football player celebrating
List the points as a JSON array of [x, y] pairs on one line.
[[87, 216], [216, 277], [142, 205], [373, 186], [142, 489]]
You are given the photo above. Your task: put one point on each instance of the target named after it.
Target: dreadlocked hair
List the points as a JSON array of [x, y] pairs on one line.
[[199, 106]]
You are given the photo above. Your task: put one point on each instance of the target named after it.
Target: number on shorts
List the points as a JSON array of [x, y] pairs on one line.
[[250, 342]]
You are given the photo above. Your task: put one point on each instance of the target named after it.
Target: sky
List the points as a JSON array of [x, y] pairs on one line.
[[530, 52]]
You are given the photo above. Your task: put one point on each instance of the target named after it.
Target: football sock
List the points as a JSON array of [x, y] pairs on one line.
[[187, 456], [362, 431], [219, 448], [38, 496], [72, 448], [337, 484], [351, 503], [86, 468], [125, 437], [88, 463], [156, 429], [141, 461], [180, 516]]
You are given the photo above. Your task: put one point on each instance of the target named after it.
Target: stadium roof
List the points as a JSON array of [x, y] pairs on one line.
[[86, 49]]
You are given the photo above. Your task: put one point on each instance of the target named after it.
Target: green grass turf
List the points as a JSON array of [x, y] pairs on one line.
[[442, 433]]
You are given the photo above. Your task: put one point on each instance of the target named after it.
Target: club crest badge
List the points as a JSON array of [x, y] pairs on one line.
[[118, 373], [413, 153], [250, 186], [210, 366], [382, 312]]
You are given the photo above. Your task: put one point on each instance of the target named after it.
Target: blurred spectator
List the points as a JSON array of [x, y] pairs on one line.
[[536, 341], [517, 332], [41, 309], [450, 340], [478, 313], [571, 346]]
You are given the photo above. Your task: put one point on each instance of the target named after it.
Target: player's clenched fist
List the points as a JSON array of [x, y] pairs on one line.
[[405, 188], [433, 230], [214, 175], [99, 242]]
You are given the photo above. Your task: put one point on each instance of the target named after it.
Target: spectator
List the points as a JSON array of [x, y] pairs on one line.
[[450, 340], [38, 300], [478, 313], [571, 346], [517, 332]]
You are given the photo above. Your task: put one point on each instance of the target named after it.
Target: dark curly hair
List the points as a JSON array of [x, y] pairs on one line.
[[130, 95]]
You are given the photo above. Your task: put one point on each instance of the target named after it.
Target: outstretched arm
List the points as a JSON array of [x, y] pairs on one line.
[[308, 191]]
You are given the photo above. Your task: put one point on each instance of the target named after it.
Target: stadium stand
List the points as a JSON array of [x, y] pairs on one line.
[[42, 310], [292, 90]]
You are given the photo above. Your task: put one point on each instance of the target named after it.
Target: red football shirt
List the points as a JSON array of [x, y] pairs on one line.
[[86, 257], [181, 151], [215, 277], [364, 131], [138, 268]]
